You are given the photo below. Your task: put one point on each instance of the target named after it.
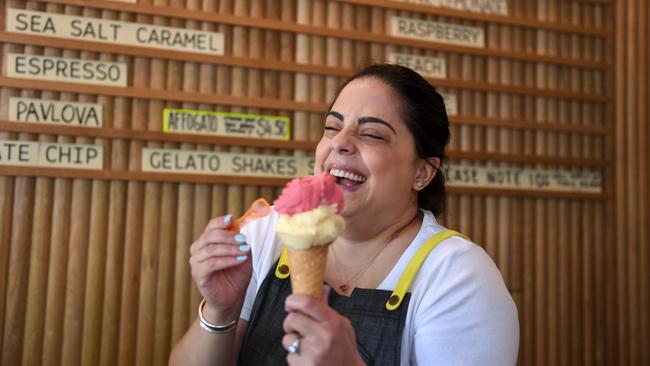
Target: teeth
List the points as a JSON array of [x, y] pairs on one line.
[[347, 175]]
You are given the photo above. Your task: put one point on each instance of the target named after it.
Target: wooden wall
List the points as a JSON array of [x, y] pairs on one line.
[[94, 264], [629, 317]]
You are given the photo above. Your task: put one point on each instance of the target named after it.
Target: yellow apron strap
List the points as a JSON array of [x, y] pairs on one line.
[[282, 269], [414, 266]]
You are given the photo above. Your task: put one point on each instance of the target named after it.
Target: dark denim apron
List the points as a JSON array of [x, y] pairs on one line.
[[378, 330]]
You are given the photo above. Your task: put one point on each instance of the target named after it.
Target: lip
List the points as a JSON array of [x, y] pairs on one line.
[[349, 169], [346, 168]]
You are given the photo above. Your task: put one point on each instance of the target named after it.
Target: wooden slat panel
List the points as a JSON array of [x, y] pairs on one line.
[[622, 165], [39, 261], [499, 19], [151, 236], [643, 201], [6, 207], [128, 316], [554, 240], [631, 178], [18, 271], [102, 273], [321, 31], [97, 255], [115, 238]]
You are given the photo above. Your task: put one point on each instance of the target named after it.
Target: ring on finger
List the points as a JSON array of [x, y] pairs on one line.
[[294, 347]]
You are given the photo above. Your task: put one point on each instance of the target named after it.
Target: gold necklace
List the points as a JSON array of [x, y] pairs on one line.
[[345, 284]]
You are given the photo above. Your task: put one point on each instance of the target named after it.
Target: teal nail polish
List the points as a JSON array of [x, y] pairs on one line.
[[227, 219], [245, 248], [241, 258], [240, 238]]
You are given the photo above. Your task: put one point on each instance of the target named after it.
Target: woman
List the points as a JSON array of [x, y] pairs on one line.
[[384, 141]]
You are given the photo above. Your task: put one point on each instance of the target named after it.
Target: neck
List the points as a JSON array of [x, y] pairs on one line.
[[361, 239], [363, 227]]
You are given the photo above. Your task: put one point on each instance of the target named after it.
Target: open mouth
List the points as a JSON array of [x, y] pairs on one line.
[[347, 178]]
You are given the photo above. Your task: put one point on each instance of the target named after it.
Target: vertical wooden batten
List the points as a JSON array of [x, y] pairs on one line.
[[632, 159]]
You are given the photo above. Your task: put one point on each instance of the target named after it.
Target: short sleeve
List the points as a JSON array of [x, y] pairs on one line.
[[465, 316]]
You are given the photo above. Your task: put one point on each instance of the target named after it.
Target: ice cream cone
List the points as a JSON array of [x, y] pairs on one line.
[[309, 222], [308, 270]]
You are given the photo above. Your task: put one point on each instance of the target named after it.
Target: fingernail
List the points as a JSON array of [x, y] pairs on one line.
[[241, 258], [227, 219], [245, 248], [240, 238]]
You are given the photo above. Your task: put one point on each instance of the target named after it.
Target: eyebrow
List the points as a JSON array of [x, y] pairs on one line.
[[363, 120], [336, 115]]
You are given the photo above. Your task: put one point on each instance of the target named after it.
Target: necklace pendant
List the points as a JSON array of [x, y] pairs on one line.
[[343, 288]]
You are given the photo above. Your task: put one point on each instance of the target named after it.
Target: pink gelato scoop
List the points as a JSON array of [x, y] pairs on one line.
[[307, 193]]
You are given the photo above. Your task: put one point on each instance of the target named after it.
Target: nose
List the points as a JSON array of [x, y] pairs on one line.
[[343, 143]]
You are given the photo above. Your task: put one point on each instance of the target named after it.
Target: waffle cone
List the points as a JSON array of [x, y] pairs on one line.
[[308, 270]]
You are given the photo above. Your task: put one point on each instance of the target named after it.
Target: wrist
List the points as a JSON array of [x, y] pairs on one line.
[[220, 316], [213, 327]]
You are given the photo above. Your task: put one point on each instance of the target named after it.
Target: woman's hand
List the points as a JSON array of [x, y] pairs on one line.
[[221, 268], [326, 337]]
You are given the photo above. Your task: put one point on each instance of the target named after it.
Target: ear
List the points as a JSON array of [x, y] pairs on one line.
[[426, 171]]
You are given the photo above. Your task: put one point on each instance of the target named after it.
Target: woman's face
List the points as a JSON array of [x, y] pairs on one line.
[[368, 147]]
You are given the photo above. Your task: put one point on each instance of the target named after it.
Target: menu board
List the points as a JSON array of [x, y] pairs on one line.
[[196, 122], [55, 112], [114, 32], [441, 32], [50, 155]]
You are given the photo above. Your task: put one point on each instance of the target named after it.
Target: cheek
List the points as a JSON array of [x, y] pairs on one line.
[[320, 156], [394, 168]]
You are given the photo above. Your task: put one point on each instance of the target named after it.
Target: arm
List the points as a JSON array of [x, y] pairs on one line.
[[198, 347], [221, 268]]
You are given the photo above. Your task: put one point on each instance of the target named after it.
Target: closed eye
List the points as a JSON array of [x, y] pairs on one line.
[[372, 136], [331, 130]]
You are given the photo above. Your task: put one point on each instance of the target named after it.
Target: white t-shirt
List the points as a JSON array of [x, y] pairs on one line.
[[460, 312]]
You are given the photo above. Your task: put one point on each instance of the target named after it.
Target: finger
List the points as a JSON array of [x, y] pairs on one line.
[[219, 250], [206, 268], [217, 236], [293, 359], [304, 349], [309, 306], [325, 294], [221, 222], [288, 339], [299, 323]]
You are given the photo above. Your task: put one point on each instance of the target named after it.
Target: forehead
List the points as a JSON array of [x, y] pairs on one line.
[[368, 97]]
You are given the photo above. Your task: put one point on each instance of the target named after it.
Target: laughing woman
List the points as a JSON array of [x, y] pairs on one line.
[[404, 289]]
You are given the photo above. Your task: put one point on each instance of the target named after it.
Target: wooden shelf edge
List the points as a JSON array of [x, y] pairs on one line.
[[488, 18], [277, 25], [266, 103], [165, 95], [137, 176], [154, 136], [526, 159], [281, 66], [525, 193]]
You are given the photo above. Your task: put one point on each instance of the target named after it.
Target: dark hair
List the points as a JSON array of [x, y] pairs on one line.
[[424, 112]]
